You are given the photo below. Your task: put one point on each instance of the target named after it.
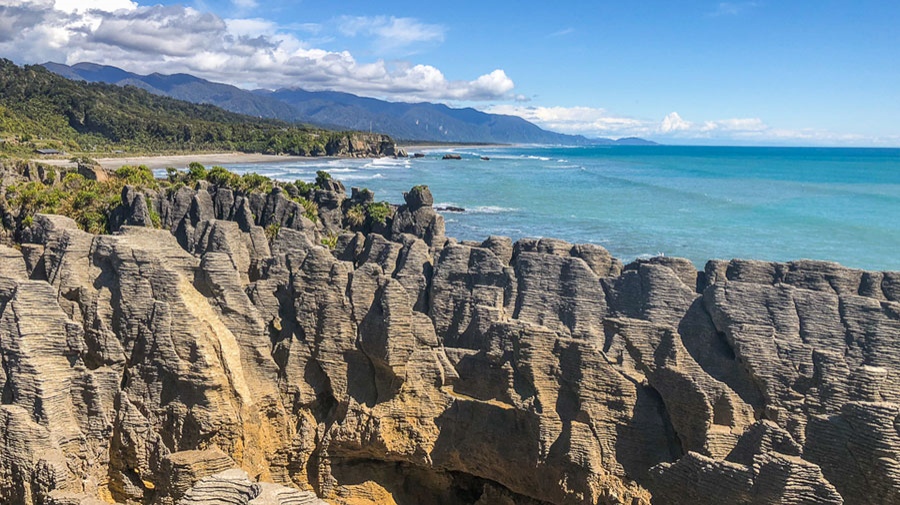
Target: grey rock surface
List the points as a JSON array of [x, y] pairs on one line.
[[213, 361]]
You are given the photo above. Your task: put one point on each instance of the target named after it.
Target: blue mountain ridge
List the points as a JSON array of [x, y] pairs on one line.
[[424, 121]]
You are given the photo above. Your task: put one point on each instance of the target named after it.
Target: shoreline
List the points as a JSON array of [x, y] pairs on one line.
[[410, 149], [183, 160]]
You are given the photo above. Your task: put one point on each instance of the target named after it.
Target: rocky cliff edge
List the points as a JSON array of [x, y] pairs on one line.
[[228, 356]]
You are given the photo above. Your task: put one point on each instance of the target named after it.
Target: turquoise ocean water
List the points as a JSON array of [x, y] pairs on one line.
[[695, 202]]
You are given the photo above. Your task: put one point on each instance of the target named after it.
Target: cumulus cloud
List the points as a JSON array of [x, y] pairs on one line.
[[673, 123], [16, 17], [169, 31], [250, 52], [391, 33]]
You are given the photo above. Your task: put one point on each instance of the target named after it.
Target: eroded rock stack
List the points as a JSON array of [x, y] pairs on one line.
[[207, 362]]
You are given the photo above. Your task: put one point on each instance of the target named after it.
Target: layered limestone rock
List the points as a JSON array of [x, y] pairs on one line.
[[213, 362]]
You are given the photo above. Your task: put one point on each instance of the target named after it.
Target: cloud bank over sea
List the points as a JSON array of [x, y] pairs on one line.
[[597, 122]]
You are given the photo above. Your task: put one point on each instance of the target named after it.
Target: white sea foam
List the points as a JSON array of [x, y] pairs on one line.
[[361, 176], [491, 209], [647, 256], [387, 163]]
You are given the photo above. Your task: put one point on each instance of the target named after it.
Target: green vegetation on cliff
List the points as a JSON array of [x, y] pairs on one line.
[[41, 110], [88, 202], [91, 202]]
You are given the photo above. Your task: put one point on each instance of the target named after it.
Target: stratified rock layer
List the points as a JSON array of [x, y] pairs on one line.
[[209, 363]]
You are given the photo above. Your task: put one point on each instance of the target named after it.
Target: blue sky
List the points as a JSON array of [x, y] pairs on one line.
[[697, 72]]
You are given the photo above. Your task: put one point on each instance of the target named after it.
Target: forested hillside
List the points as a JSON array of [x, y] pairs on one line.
[[424, 121], [39, 109]]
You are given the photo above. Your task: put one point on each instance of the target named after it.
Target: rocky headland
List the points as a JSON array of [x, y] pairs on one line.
[[228, 345]]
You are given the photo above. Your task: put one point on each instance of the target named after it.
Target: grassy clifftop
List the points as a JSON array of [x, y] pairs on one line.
[[39, 109]]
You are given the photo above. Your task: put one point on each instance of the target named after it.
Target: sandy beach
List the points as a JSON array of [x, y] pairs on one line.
[[183, 160], [210, 159]]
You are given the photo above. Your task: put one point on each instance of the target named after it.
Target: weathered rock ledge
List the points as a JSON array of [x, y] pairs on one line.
[[211, 362]]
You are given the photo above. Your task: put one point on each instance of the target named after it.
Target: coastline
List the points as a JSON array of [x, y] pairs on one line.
[[590, 323], [411, 148], [183, 160], [231, 158]]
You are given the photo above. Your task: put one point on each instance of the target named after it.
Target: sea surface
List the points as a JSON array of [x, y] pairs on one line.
[[695, 202]]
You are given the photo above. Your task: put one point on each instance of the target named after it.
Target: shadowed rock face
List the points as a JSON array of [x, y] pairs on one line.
[[206, 363]]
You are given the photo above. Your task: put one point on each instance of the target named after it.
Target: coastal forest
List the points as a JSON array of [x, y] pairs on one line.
[[41, 110]]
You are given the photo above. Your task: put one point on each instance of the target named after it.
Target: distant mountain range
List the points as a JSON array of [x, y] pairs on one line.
[[42, 112], [405, 121]]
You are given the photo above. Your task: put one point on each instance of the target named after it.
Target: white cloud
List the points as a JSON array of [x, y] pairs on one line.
[[738, 125], [391, 33], [597, 122], [588, 121], [245, 4], [673, 123], [72, 6], [169, 31], [251, 27], [251, 52], [494, 84]]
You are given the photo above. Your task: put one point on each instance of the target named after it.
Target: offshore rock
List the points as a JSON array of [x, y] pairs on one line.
[[229, 357]]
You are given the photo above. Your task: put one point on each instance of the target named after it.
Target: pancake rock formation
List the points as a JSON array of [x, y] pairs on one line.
[[211, 362]]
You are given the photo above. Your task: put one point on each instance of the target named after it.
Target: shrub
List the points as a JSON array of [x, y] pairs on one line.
[[322, 178], [196, 172], [83, 161], [310, 209], [220, 176], [330, 240], [305, 188], [356, 215], [154, 216], [272, 231], [73, 181], [255, 182], [33, 197], [88, 202], [85, 198], [137, 176], [379, 212]]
